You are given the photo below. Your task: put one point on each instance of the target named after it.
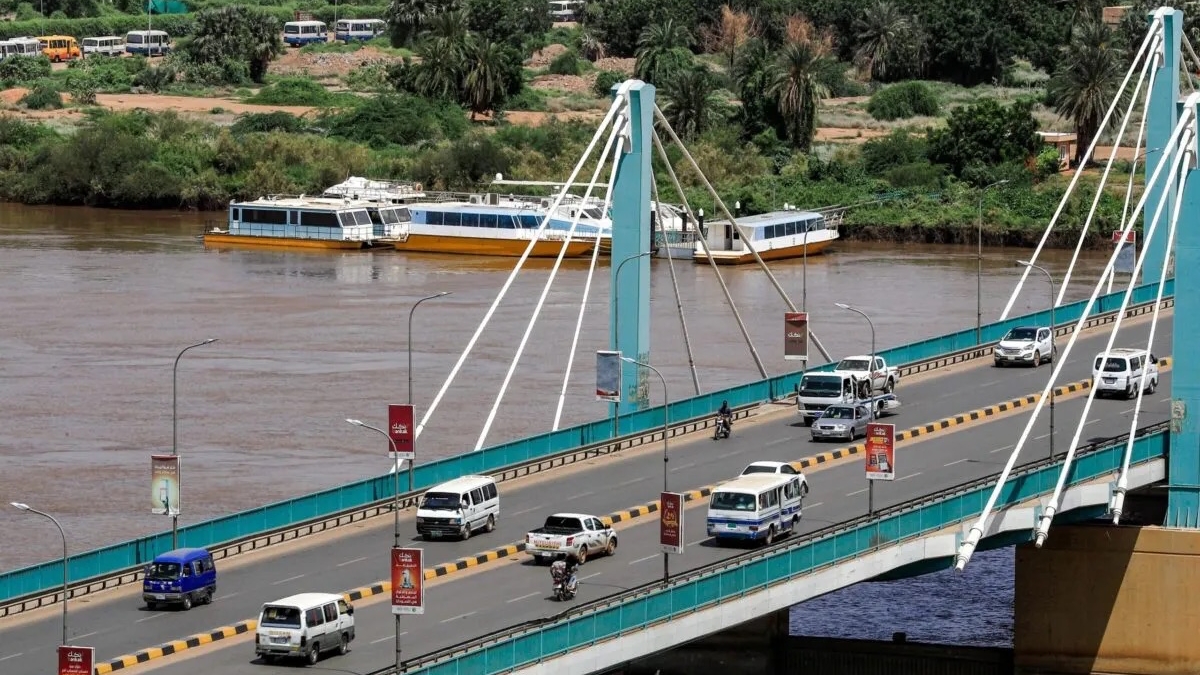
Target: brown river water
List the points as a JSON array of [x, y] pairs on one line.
[[95, 305]]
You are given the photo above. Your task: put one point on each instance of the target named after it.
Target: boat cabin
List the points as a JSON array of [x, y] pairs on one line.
[[301, 218], [778, 229], [452, 214]]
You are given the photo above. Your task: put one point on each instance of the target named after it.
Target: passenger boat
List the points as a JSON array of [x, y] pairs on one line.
[[304, 222], [778, 235], [483, 229]]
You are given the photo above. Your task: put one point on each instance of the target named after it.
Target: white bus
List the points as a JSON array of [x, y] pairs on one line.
[[300, 33], [20, 46], [148, 42], [756, 507], [109, 45], [358, 29]]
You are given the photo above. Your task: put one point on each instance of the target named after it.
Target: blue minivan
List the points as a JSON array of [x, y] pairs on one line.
[[184, 577]]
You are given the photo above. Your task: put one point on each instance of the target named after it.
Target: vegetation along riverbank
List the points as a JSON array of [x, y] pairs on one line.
[[814, 103]]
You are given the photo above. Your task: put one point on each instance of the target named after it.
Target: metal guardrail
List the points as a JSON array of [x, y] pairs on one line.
[[268, 537], [740, 560]]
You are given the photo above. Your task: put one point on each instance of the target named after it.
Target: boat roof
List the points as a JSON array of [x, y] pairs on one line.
[[303, 202], [773, 218]]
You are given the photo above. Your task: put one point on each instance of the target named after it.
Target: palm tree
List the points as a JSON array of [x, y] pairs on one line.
[[692, 104], [440, 74], [798, 91], [590, 47], [659, 49], [235, 32], [484, 82], [406, 17], [1086, 80], [753, 70], [878, 31]]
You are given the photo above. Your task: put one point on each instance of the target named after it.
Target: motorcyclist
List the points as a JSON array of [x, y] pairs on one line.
[[725, 412]]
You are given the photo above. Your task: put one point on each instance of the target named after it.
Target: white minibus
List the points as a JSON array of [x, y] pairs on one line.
[[109, 45], [346, 30], [459, 507], [148, 42], [300, 33], [305, 626], [755, 507]]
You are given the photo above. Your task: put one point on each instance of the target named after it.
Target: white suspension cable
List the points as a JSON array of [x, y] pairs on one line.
[[587, 286], [1151, 33], [687, 341], [1137, 151], [1043, 527], [1117, 503], [976, 533], [537, 309], [1112, 158], [618, 103]]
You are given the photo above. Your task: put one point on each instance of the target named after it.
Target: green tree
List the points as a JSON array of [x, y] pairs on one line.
[[484, 83], [752, 72], [406, 18], [692, 104], [985, 134], [619, 23], [237, 34], [797, 88], [513, 22], [1087, 79], [663, 49], [888, 42]]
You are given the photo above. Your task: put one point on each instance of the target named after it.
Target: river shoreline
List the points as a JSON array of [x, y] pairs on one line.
[[968, 235]]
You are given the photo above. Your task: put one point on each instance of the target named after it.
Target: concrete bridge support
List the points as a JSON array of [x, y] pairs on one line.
[[1105, 599]]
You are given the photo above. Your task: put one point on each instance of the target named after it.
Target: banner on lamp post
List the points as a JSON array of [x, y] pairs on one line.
[[1126, 251], [795, 336], [76, 660], [608, 376], [881, 451], [164, 485], [400, 430], [408, 581], [670, 522]]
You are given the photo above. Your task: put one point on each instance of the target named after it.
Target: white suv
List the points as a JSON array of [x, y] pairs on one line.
[[777, 468], [1124, 372], [1025, 344]]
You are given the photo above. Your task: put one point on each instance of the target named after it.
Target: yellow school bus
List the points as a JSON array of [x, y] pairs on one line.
[[60, 48]]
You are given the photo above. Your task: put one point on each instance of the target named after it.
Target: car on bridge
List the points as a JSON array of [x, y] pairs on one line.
[[783, 468], [1125, 371], [1028, 345], [564, 533], [842, 422]]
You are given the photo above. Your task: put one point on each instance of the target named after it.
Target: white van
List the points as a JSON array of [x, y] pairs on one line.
[[300, 33], [1124, 372], [109, 45], [459, 507], [346, 30], [148, 42], [758, 506], [305, 626]]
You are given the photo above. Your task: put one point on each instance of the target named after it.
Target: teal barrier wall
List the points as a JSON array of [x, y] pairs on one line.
[[637, 612], [125, 555]]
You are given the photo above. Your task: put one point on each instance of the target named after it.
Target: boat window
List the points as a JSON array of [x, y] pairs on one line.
[[376, 216], [792, 228], [345, 218], [362, 217], [266, 216], [487, 220], [452, 218], [469, 219], [403, 215], [531, 222]]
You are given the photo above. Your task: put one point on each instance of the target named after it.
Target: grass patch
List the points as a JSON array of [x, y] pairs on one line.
[[299, 91], [380, 43]]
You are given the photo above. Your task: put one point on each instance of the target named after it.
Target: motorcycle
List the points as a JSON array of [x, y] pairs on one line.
[[723, 428], [564, 584]]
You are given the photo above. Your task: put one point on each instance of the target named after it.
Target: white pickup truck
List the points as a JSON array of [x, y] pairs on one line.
[[883, 377], [819, 390], [564, 533]]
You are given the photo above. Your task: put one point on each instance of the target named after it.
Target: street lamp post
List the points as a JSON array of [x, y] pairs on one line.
[[979, 266], [26, 507], [871, 387], [666, 430], [1053, 330], [395, 510], [410, 381], [617, 331], [175, 432]]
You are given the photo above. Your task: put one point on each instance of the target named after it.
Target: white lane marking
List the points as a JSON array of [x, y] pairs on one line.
[[1038, 438], [957, 461], [594, 574], [527, 595], [351, 562], [911, 475], [227, 595], [584, 494], [11, 656], [1007, 448], [389, 637], [776, 442], [649, 557], [456, 618], [147, 618], [80, 637], [856, 492], [284, 581], [681, 467], [535, 508], [635, 480], [813, 506]]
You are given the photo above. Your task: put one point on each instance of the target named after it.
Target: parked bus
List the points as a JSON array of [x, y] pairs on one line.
[[300, 33], [108, 45], [358, 29], [148, 42], [757, 506], [59, 48], [20, 46]]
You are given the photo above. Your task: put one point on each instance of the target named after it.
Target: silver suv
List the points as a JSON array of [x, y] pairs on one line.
[[1029, 345], [1124, 372]]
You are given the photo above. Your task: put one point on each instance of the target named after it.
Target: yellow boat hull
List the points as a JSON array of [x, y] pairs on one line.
[[432, 243], [746, 257], [223, 239]]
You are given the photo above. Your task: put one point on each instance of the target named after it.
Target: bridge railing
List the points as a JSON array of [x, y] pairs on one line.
[[121, 563], [686, 593]]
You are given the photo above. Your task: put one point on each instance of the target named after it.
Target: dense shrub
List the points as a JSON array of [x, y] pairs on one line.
[[606, 80], [293, 91], [567, 63], [899, 148], [902, 101], [399, 119], [42, 97], [265, 122], [19, 71]]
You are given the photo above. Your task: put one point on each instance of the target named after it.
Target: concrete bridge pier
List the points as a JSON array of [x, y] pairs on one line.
[[1107, 599]]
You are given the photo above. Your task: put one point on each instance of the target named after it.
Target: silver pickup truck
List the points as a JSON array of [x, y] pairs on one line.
[[564, 533], [842, 422]]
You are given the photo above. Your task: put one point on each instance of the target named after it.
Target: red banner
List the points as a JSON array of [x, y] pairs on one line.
[[1130, 237], [401, 430], [408, 581], [881, 451], [76, 660], [795, 336], [670, 522]]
